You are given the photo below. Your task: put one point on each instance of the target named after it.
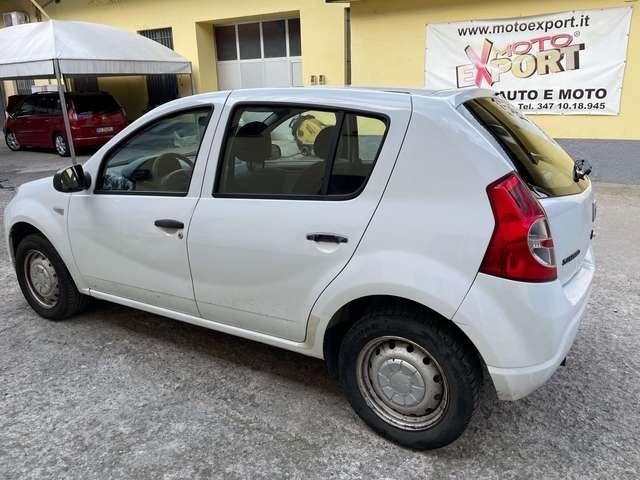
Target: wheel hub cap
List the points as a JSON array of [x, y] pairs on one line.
[[402, 383], [61, 146], [41, 278], [12, 140]]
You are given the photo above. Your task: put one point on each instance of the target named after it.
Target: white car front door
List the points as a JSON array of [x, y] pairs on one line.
[[128, 234], [287, 201]]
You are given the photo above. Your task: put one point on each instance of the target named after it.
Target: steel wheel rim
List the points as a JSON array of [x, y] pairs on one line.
[[13, 141], [61, 145], [41, 278], [402, 383]]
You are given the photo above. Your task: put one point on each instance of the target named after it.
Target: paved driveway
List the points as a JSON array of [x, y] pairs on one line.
[[117, 393]]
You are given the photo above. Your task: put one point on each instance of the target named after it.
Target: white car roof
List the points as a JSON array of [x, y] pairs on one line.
[[453, 96]]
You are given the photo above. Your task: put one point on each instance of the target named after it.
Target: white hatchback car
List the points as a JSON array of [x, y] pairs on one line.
[[412, 239]]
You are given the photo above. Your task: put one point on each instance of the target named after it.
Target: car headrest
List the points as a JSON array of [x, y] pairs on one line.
[[323, 142], [252, 144]]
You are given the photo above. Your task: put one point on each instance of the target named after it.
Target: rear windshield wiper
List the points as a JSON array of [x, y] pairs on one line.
[[581, 168]]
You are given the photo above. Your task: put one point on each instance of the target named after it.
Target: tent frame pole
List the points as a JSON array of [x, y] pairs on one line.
[[65, 112], [40, 9]]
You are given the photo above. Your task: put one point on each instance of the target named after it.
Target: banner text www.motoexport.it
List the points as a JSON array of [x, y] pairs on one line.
[[526, 26]]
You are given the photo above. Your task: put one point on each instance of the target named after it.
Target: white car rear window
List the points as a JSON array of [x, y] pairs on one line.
[[539, 160]]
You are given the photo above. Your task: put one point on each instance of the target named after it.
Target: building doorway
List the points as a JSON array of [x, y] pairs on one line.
[[161, 88], [85, 84]]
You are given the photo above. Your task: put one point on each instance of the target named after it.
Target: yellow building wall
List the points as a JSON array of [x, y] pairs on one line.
[[388, 41], [192, 21]]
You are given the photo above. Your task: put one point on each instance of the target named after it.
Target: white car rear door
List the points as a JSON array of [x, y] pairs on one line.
[[272, 229]]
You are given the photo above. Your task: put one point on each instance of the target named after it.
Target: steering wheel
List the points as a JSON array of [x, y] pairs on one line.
[[169, 169], [176, 178], [179, 156]]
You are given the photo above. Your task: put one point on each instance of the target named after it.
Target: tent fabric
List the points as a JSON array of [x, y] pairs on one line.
[[83, 48]]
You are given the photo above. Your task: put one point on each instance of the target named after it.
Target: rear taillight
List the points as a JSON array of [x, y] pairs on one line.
[[521, 247]]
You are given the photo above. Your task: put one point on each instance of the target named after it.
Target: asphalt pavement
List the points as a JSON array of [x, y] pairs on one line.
[[119, 393]]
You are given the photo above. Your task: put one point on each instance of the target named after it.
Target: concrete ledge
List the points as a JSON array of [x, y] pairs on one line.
[[615, 161]]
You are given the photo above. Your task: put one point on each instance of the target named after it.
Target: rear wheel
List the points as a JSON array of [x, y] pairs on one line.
[[411, 378], [61, 145], [45, 281], [12, 141]]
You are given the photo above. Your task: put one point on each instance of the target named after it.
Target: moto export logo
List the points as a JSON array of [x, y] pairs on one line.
[[546, 55]]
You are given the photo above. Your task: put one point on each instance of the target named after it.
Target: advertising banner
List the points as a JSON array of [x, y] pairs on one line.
[[561, 63]]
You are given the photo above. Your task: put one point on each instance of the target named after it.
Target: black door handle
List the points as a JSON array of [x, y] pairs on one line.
[[168, 223], [326, 237]]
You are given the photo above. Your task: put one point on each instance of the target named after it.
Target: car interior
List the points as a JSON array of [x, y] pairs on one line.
[[267, 157], [285, 151], [158, 159]]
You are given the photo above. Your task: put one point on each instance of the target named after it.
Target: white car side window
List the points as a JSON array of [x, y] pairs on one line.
[[289, 151], [157, 159]]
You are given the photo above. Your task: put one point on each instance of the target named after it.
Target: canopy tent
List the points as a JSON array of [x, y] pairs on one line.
[[55, 48]]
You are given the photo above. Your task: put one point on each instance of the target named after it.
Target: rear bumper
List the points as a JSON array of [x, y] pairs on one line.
[[523, 330], [515, 383]]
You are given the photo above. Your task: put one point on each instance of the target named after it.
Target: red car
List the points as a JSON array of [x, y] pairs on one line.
[[37, 121]]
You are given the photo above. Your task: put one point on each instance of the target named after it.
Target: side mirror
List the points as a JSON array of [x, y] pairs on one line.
[[71, 179]]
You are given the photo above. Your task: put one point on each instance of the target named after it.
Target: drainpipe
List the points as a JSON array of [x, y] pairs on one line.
[[193, 81]]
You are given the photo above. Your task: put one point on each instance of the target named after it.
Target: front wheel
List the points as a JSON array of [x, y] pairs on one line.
[[12, 141], [62, 148], [45, 281], [411, 378]]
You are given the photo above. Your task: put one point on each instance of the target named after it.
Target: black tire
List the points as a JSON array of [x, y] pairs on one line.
[[60, 144], [69, 300], [456, 359], [12, 143]]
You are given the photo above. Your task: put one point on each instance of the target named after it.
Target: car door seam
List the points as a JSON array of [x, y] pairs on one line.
[[186, 245], [208, 157], [68, 234], [198, 198]]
